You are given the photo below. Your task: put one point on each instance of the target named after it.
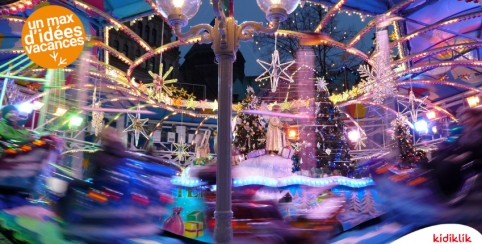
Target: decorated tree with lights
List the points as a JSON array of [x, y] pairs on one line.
[[401, 133], [330, 149], [249, 134]]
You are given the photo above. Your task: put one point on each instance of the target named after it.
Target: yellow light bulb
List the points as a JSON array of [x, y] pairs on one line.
[[178, 3]]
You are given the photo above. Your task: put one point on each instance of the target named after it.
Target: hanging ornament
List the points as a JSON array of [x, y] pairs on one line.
[[321, 84], [328, 151], [137, 125], [160, 81], [181, 150], [97, 117], [275, 70]]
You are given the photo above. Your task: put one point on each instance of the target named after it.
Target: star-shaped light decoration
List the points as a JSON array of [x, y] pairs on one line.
[[321, 84], [190, 103], [203, 104], [270, 106], [345, 95], [183, 92], [275, 70], [285, 106], [181, 150], [137, 125], [214, 105], [413, 106], [160, 81], [360, 142], [177, 102], [151, 95], [237, 107]]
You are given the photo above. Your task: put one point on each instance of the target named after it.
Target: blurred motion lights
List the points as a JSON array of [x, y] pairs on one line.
[[434, 129], [431, 115], [354, 135], [421, 126], [292, 133], [37, 105], [76, 120], [60, 111], [473, 101], [25, 107]]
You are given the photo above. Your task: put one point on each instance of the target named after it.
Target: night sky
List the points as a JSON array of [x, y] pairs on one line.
[[248, 10]]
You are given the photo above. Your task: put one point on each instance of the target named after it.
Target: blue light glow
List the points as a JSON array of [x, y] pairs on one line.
[[421, 125]]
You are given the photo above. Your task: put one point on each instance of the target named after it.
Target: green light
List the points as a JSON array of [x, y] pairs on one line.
[[76, 120]]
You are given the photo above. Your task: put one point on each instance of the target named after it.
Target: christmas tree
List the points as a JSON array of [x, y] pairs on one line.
[[330, 149], [354, 204], [368, 204], [401, 133], [249, 134], [305, 202]]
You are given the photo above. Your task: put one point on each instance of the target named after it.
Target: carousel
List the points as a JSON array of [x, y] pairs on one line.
[[300, 137]]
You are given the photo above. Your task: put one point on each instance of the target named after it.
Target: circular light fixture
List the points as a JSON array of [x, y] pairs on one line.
[[178, 11], [277, 8]]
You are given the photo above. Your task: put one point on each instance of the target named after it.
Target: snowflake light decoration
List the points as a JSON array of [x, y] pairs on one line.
[[137, 126], [181, 150], [321, 84], [275, 70], [360, 143], [380, 86], [378, 80], [160, 81]]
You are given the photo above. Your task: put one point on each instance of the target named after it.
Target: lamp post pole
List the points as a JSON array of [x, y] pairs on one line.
[[225, 37]]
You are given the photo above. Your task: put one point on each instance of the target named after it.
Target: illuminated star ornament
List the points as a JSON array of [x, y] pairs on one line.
[[203, 104], [360, 142], [160, 81], [275, 70], [321, 84], [181, 150], [214, 105], [137, 125], [190, 103], [286, 105]]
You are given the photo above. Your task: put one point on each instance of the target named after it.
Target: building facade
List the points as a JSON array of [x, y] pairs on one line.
[[150, 29]]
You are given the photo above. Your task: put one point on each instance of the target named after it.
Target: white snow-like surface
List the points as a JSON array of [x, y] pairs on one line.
[[264, 166], [387, 229]]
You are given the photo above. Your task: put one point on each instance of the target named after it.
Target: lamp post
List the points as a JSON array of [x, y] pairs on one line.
[[225, 37]]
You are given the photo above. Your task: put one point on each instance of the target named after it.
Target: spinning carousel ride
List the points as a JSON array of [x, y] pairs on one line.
[[409, 101]]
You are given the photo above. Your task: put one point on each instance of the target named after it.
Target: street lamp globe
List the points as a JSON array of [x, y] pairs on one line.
[[178, 11], [277, 8]]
